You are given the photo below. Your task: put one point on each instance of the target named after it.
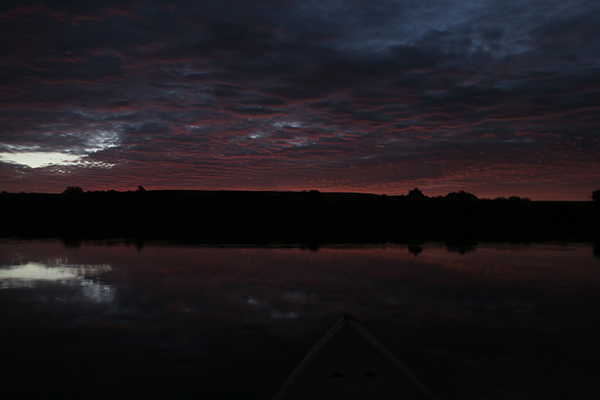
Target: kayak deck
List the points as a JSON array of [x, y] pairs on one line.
[[349, 363]]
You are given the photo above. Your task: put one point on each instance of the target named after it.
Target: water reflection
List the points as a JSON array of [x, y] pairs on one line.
[[232, 322], [34, 274]]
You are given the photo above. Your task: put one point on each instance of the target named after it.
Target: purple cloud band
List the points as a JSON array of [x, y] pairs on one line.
[[497, 98]]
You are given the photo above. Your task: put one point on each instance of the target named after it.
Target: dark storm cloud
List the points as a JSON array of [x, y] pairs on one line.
[[342, 95]]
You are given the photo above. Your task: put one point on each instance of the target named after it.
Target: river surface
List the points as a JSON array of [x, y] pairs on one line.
[[113, 320]]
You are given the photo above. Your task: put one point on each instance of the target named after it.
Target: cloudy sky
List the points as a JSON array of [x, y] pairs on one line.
[[496, 97]]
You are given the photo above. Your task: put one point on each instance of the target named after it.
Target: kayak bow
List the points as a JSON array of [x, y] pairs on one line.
[[349, 363]]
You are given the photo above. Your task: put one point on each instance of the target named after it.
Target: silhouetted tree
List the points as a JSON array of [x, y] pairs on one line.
[[415, 249], [140, 189], [416, 193], [461, 248], [596, 195], [461, 196], [73, 190]]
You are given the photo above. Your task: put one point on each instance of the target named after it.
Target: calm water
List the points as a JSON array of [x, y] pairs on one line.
[[496, 321]]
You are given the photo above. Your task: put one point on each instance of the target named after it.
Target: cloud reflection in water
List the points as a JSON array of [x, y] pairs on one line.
[[34, 274]]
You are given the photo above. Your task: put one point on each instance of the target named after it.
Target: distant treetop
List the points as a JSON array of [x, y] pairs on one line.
[[596, 195], [513, 199], [73, 190], [461, 196], [140, 189], [416, 192]]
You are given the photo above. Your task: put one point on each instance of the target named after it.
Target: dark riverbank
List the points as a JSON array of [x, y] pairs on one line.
[[311, 217]]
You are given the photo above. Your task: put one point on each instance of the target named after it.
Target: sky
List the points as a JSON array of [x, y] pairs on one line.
[[494, 97]]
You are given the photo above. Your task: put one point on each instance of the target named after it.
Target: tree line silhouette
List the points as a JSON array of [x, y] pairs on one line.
[[415, 193], [305, 217]]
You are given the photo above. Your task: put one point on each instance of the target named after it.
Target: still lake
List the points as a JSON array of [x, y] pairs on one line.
[[114, 320]]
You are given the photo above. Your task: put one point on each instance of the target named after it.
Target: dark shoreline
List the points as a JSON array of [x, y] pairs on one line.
[[309, 218]]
